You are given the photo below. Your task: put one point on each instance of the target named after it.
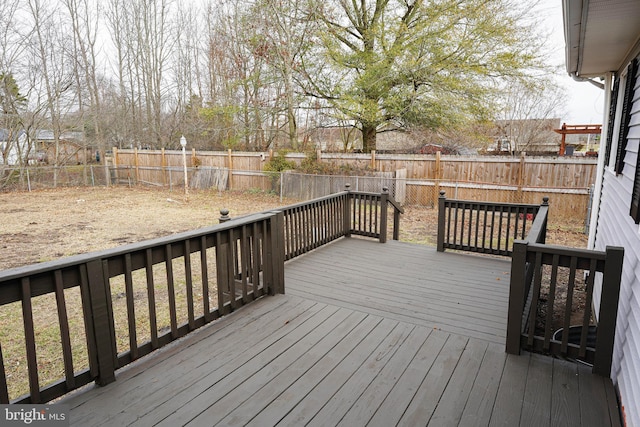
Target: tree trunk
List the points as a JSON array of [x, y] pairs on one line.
[[368, 138]]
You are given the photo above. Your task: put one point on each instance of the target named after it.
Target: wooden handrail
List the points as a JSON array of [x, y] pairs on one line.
[[249, 262], [538, 231], [527, 280], [486, 227]]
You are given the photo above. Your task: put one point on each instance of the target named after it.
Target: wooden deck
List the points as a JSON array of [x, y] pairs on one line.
[[366, 334]]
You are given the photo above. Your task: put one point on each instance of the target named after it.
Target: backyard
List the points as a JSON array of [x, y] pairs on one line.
[[46, 225], [50, 224]]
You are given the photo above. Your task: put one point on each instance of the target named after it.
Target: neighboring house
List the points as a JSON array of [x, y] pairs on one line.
[[533, 136], [603, 42], [13, 145], [336, 138], [71, 147]]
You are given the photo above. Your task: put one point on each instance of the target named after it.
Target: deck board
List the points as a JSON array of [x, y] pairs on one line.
[[453, 400], [409, 283], [339, 349], [392, 409], [479, 406], [510, 397], [536, 408], [565, 400]]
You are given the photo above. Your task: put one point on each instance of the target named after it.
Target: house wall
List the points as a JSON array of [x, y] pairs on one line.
[[617, 228]]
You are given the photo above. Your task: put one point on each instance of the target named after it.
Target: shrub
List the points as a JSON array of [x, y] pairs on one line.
[[279, 163]]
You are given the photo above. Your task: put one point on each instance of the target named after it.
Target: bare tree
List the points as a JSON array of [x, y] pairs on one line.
[[47, 49], [285, 33], [143, 33], [84, 23], [12, 100], [237, 98], [528, 108], [188, 75]]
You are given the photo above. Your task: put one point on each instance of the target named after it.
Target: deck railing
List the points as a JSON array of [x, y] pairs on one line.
[[309, 225], [551, 289], [191, 278], [229, 264], [484, 227]]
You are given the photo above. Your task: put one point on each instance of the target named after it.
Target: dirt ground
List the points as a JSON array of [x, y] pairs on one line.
[[50, 224], [46, 225]]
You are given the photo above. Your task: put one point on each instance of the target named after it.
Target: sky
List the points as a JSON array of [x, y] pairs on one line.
[[585, 103]]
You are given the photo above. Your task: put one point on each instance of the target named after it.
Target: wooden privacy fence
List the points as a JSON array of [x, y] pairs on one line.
[[523, 171], [213, 271], [413, 180]]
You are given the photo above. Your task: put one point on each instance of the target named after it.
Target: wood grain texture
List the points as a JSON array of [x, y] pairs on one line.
[[342, 359]]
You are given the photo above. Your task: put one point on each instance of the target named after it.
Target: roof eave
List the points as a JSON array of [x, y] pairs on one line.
[[572, 14]]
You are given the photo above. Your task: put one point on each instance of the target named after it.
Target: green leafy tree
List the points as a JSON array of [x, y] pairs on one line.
[[12, 105], [397, 63], [11, 100]]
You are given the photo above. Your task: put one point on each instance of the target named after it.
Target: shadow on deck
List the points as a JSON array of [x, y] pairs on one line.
[[367, 334]]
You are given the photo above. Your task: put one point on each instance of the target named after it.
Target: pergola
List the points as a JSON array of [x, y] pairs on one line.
[[576, 130]]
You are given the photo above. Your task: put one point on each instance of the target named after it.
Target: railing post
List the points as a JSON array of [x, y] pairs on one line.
[[347, 212], [384, 199], [224, 215], [545, 204], [4, 391], [396, 224], [275, 253], [516, 296], [605, 336], [103, 328], [441, 221]]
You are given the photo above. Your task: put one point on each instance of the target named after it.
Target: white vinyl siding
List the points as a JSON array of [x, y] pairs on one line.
[[617, 228]]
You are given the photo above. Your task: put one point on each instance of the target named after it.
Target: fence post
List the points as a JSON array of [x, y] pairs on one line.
[[521, 178], [438, 172], [103, 328], [441, 221], [384, 200], [516, 296], [136, 164], [163, 165], [605, 336], [346, 224], [230, 165], [116, 161]]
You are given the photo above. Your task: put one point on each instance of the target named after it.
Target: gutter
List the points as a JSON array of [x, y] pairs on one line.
[[577, 78], [574, 18]]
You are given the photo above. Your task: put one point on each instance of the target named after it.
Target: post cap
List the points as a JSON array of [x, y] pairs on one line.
[[224, 215]]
